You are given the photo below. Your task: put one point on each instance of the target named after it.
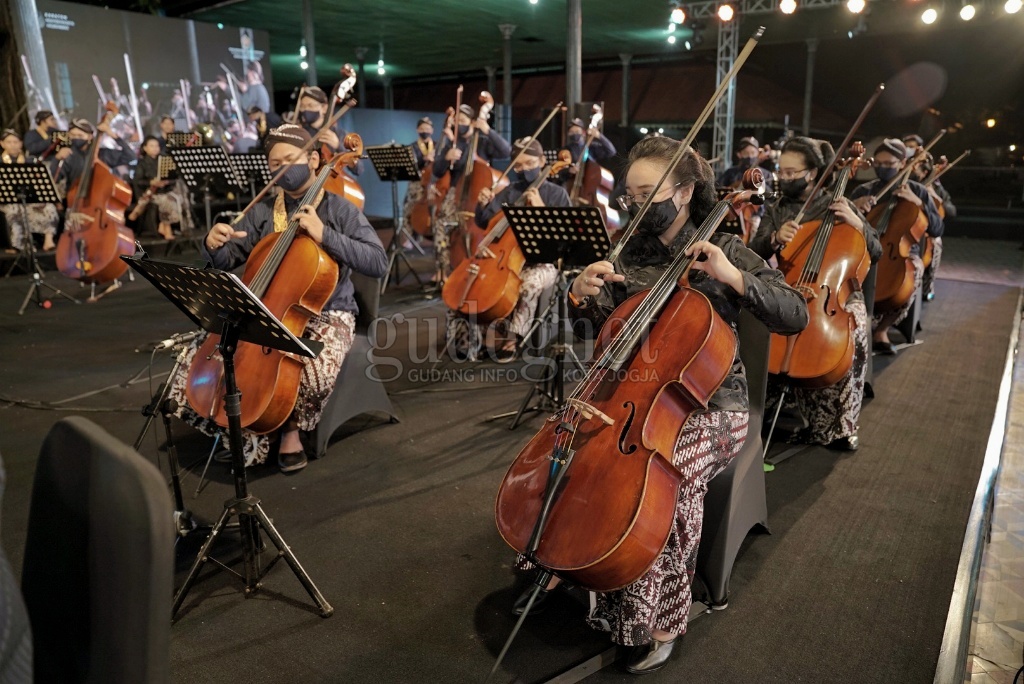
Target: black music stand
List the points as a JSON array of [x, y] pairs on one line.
[[567, 237], [251, 169], [396, 163], [205, 170], [25, 184], [219, 302], [180, 139]]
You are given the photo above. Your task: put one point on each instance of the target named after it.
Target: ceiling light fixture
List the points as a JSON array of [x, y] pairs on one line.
[[726, 12]]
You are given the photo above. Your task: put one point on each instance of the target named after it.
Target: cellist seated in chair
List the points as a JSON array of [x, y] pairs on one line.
[[346, 236], [467, 338], [651, 613]]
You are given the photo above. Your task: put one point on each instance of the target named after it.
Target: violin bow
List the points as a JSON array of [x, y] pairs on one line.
[[540, 129], [694, 130], [455, 122], [938, 174], [284, 167], [840, 152]]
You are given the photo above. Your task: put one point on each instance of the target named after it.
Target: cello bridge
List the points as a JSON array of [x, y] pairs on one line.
[[807, 292], [589, 412]]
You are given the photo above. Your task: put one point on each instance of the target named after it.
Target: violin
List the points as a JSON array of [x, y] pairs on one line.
[[295, 278], [95, 235], [476, 176], [486, 286], [341, 183], [826, 262], [593, 184], [660, 358]]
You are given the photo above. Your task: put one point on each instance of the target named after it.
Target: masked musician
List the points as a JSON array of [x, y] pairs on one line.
[[253, 92], [748, 155], [832, 413], [466, 338], [313, 109], [42, 217], [651, 613], [423, 148], [451, 158], [889, 159], [940, 197], [601, 148], [347, 237], [264, 122], [37, 140], [163, 202]]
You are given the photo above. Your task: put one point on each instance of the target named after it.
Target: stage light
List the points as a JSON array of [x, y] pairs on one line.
[[1012, 6], [220, 26], [671, 40], [990, 123], [787, 6], [661, 131], [855, 6], [688, 45], [671, 28], [643, 129], [726, 12], [381, 70], [303, 65], [967, 12], [929, 15], [302, 51], [678, 16], [1013, 148], [533, 2]]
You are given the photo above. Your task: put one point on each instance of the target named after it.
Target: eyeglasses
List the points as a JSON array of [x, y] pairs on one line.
[[626, 201], [792, 174]]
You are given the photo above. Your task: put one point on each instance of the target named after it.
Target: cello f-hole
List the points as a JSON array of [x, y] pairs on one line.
[[625, 429]]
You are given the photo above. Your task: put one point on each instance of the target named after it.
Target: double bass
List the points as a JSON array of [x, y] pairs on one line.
[[826, 261], [95, 235], [660, 358], [341, 182], [295, 278], [593, 184], [486, 286], [476, 175]]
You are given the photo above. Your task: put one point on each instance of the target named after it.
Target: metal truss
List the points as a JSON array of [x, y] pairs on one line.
[[725, 109]]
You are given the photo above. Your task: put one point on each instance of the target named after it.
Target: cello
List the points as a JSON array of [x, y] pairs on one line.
[[421, 216], [826, 262], [486, 286], [95, 235], [295, 278], [660, 358], [944, 165], [593, 184], [476, 176], [341, 182]]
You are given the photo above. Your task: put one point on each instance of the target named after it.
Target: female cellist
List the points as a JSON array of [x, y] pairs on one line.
[[343, 235], [889, 159], [465, 338], [416, 210], [832, 413], [451, 158], [926, 173], [651, 613]]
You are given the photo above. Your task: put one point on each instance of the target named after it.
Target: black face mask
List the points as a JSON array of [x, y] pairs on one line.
[[463, 130], [575, 139], [746, 162], [658, 218], [424, 136], [310, 116], [294, 178], [51, 129], [79, 145], [793, 188], [523, 179], [886, 173]]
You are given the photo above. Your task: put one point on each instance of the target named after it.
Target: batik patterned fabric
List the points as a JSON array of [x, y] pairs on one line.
[[42, 220], [413, 195], [445, 221], [465, 339], [834, 412], [928, 280], [661, 598], [335, 330], [172, 206]]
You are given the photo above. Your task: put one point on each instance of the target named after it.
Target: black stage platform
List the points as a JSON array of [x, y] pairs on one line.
[[396, 524]]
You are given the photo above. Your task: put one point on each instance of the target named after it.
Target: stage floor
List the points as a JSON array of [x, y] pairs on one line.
[[396, 523]]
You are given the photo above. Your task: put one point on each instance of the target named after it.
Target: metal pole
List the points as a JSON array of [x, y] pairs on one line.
[[573, 53], [627, 76], [389, 95], [506, 71], [309, 35], [812, 51], [492, 78], [361, 81]]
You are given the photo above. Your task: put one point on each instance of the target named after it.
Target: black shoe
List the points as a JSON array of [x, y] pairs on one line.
[[851, 443], [884, 348], [519, 607], [650, 657], [291, 462], [929, 297]]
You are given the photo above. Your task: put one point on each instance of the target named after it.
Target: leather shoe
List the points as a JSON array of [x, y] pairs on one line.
[[851, 443], [538, 605], [290, 462], [884, 348], [650, 657]]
